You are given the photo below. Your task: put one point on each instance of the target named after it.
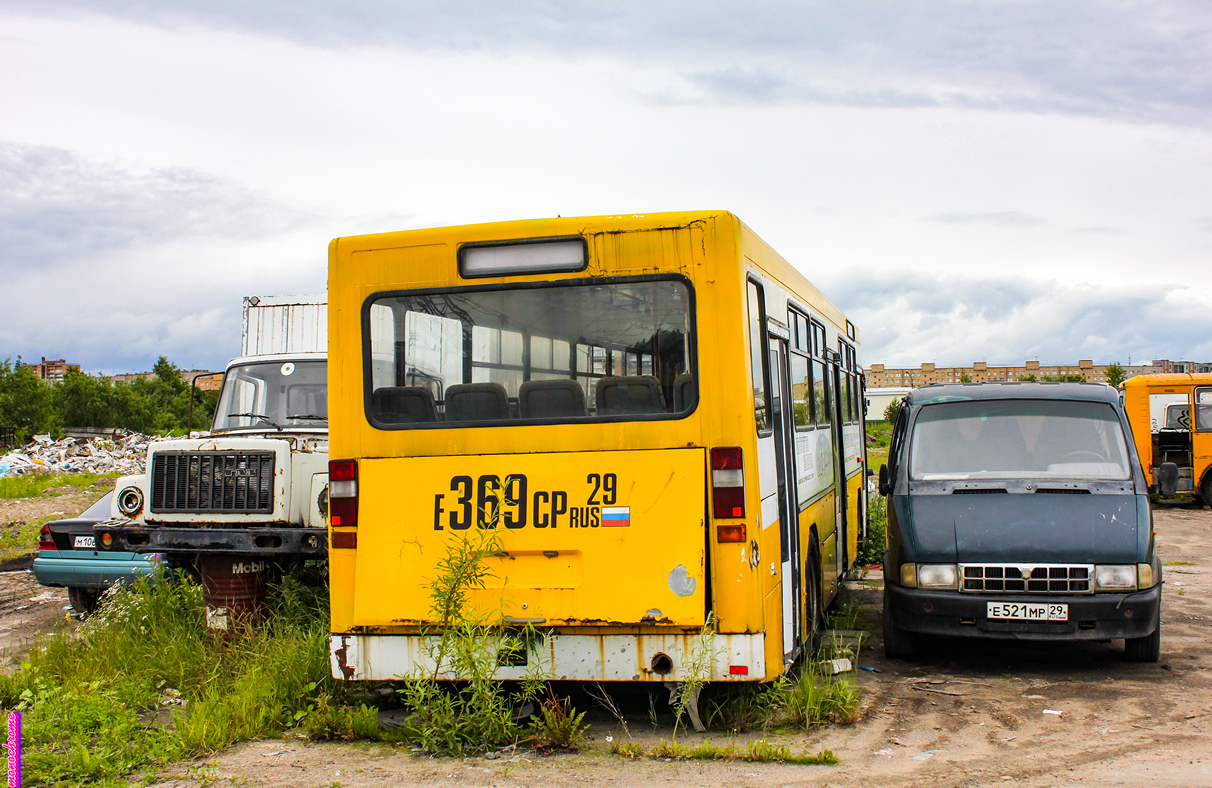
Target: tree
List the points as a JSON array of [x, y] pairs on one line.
[[26, 402], [892, 411], [1115, 375], [965, 377], [1027, 378]]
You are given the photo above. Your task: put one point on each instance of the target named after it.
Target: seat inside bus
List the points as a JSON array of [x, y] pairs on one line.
[[404, 405], [683, 392], [551, 399], [477, 402], [618, 395]]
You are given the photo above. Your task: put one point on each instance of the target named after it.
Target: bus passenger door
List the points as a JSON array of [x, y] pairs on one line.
[[839, 464], [789, 539]]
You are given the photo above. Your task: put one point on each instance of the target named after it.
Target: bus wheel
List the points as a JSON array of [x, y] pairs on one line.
[[1205, 489], [898, 643], [812, 610]]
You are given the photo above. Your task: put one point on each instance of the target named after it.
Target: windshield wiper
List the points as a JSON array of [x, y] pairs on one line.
[[309, 416], [260, 416]]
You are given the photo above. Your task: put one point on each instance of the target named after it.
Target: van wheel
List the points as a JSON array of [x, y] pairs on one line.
[[84, 600], [898, 643], [1146, 649]]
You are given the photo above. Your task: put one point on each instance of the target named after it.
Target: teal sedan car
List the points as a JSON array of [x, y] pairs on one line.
[[67, 558]]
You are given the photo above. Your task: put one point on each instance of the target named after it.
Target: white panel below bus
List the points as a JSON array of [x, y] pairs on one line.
[[572, 657]]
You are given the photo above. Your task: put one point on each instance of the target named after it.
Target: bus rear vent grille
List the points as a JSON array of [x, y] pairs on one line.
[[200, 482]]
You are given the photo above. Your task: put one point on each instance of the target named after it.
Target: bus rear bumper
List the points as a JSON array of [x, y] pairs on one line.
[[655, 657]]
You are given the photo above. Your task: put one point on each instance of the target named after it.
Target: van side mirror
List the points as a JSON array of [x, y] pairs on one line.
[[886, 486], [1166, 479]]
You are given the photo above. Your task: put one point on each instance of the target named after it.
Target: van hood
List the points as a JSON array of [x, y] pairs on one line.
[[1014, 527]]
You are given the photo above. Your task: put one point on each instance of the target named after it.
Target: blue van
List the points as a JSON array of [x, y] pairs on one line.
[[68, 557], [1018, 511]]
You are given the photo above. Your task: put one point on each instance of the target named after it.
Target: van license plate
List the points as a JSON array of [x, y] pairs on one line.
[[1020, 611], [84, 541]]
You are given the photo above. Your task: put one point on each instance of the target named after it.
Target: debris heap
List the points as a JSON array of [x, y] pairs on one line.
[[125, 453]]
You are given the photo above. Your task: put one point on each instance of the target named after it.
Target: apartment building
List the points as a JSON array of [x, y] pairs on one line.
[[879, 376]]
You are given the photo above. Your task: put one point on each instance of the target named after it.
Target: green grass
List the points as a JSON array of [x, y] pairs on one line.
[[757, 751], [1180, 563], [33, 485], [871, 552], [799, 702], [143, 683]]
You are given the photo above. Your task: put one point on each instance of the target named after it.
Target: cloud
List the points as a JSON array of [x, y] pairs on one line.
[[1003, 218], [909, 318], [1142, 61], [57, 205]]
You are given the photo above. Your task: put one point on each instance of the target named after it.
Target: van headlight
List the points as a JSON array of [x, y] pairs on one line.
[[938, 576], [1115, 577]]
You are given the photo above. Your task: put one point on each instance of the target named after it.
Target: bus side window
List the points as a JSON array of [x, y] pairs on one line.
[[1203, 410], [761, 408]]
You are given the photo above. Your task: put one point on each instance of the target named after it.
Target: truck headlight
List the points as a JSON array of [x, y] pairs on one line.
[[1115, 577], [130, 501], [937, 576]]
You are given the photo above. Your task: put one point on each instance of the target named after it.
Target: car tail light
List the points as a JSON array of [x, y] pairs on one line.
[[728, 482], [45, 540], [343, 492], [738, 670]]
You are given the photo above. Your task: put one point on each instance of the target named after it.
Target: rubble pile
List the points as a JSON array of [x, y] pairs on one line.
[[125, 454]]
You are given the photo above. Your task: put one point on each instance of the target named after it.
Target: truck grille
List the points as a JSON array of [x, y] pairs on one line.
[[1026, 578], [198, 482]]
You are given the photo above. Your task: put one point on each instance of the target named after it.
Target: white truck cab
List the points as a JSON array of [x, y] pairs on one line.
[[257, 484]]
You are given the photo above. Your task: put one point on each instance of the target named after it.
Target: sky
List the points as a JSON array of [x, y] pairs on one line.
[[968, 181]]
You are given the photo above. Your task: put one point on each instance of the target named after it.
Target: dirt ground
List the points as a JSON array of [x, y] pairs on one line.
[[968, 713], [26, 607]]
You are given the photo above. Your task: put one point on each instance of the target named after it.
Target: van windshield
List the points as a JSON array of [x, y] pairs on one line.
[[559, 351], [274, 394], [1023, 438]]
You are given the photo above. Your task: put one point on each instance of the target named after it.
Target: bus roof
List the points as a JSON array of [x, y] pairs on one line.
[[1171, 379]]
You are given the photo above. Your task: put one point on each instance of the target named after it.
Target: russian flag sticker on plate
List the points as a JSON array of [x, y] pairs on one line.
[[616, 516]]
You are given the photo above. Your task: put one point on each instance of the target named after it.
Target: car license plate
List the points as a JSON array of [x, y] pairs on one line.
[[84, 541], [1027, 611]]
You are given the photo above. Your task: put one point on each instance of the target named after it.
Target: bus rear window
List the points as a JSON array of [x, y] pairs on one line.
[[605, 349]]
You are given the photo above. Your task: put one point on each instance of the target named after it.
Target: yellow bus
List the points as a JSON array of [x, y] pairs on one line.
[[1171, 418], [657, 414]]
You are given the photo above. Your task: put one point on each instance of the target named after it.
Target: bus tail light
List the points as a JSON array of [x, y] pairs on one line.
[[738, 670], [45, 540], [343, 492], [728, 482], [730, 533]]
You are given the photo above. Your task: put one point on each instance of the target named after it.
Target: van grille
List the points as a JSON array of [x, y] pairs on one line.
[[1027, 578], [200, 482]]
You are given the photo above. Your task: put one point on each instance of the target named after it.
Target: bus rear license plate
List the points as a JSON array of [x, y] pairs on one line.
[[1020, 611], [84, 541]]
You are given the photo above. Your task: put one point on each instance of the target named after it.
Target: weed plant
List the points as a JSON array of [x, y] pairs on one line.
[[458, 706], [871, 552], [143, 682], [558, 725]]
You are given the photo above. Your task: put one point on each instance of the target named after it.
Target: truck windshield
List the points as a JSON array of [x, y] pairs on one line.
[[560, 351], [1018, 439], [274, 394]]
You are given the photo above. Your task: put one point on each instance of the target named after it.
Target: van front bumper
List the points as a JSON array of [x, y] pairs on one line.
[[1091, 616]]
